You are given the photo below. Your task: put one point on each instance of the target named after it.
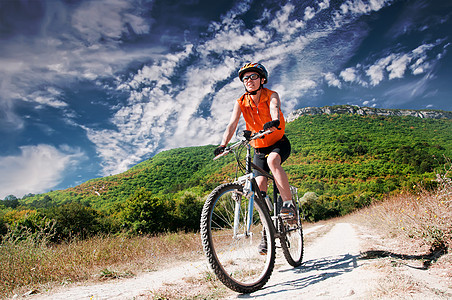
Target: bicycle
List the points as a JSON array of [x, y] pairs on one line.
[[235, 217]]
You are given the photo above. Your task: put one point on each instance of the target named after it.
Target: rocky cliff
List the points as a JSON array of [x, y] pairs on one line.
[[368, 111]]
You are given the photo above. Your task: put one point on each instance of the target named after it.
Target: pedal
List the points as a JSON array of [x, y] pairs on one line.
[[289, 218], [286, 216]]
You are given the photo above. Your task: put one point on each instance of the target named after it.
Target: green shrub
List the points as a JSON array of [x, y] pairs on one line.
[[188, 212], [145, 213], [75, 220]]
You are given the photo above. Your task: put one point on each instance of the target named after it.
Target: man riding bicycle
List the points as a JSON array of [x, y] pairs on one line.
[[261, 109]]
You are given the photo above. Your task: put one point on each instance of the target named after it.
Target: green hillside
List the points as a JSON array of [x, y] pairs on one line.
[[345, 161], [349, 160], [341, 155]]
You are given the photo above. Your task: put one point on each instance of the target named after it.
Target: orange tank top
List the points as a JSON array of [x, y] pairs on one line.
[[256, 116]]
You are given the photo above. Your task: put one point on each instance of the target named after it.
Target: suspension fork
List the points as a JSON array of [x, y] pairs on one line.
[[250, 208], [252, 189], [250, 186]]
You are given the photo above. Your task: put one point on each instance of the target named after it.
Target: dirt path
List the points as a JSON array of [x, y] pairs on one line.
[[129, 288], [331, 270]]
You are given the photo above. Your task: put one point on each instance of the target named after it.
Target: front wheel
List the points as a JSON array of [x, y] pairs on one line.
[[292, 242], [232, 249]]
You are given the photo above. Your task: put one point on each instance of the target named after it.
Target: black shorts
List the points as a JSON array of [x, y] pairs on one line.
[[282, 147]]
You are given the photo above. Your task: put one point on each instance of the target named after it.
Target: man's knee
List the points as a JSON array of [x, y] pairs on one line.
[[274, 160]]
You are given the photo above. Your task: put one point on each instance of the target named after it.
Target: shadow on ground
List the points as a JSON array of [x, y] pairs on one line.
[[317, 270], [427, 259], [311, 272]]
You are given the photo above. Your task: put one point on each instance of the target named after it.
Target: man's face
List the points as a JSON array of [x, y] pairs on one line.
[[252, 81]]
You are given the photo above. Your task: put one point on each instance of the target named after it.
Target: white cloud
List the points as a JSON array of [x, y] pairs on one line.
[[324, 5], [163, 112], [376, 71], [309, 13], [9, 120], [184, 98], [398, 66], [355, 8], [349, 75], [403, 93], [72, 43], [420, 66], [160, 114], [306, 84], [230, 40], [361, 7], [107, 19], [393, 66], [370, 103], [332, 80], [36, 169], [284, 24], [47, 97]]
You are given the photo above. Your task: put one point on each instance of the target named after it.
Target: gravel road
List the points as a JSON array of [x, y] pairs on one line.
[[331, 270]]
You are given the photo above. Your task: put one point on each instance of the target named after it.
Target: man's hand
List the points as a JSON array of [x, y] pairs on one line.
[[219, 150], [274, 123]]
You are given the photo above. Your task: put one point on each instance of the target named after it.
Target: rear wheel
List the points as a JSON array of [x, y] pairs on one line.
[[232, 251], [292, 242]]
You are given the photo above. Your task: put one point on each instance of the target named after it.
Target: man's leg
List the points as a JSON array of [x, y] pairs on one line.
[[282, 182], [262, 183]]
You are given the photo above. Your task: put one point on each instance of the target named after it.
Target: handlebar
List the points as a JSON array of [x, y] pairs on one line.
[[247, 138]]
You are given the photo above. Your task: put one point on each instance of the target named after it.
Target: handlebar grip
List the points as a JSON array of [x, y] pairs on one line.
[[247, 134]]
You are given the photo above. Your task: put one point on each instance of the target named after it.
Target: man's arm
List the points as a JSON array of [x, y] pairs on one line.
[[275, 106], [232, 126]]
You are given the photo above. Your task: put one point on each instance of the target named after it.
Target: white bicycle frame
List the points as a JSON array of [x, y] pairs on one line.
[[248, 193], [248, 190]]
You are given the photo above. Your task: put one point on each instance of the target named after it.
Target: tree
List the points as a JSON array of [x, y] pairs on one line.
[[11, 201], [10, 197], [28, 196], [189, 212], [75, 219], [145, 213]]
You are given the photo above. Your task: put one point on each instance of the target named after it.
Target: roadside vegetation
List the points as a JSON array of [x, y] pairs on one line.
[[119, 226], [31, 262], [415, 257], [424, 217]]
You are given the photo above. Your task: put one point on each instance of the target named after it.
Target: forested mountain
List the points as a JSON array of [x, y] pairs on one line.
[[340, 154], [341, 161], [369, 111]]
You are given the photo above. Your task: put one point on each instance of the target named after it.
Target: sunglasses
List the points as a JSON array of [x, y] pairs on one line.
[[252, 77]]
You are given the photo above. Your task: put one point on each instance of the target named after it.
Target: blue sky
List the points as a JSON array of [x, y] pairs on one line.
[[91, 88]]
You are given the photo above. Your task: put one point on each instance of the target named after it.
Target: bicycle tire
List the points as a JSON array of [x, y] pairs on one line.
[[235, 260], [292, 242]]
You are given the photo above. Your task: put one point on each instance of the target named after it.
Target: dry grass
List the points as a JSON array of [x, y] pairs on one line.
[[419, 223], [417, 236], [28, 264], [395, 285], [424, 218], [207, 286]]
